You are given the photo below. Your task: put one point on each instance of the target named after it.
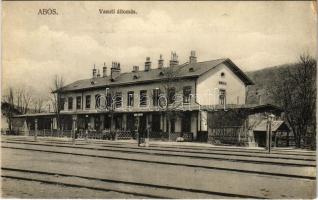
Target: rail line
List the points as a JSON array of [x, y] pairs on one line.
[[173, 155], [167, 147], [113, 181], [170, 163]]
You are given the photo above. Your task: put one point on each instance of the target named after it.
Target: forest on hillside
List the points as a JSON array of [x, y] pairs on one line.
[[293, 88], [263, 79]]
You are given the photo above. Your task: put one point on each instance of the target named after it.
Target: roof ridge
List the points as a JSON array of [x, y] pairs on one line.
[[152, 74]]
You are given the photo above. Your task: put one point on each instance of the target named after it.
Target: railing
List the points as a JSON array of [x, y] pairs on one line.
[[115, 135], [227, 135], [164, 136], [124, 135], [51, 133]]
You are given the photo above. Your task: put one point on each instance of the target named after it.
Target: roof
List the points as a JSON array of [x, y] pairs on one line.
[[276, 125], [153, 75], [35, 115], [255, 108]]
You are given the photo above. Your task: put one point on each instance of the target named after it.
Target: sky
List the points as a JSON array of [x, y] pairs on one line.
[[254, 35]]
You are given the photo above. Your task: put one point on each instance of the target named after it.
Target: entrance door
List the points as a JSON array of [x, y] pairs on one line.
[[260, 138], [156, 121], [130, 122], [186, 122], [107, 122], [143, 125], [97, 122]]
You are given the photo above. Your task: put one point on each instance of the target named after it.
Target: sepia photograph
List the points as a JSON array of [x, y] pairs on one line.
[[158, 99]]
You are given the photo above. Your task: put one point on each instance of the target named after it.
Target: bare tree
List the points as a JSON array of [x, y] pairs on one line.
[[8, 107], [170, 88], [26, 101], [23, 99], [19, 98], [38, 104], [56, 90], [295, 90]]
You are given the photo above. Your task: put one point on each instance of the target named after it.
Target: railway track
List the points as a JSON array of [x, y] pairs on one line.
[[194, 155], [171, 163], [183, 148], [120, 186]]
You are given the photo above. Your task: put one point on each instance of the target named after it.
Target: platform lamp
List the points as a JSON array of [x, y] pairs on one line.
[[74, 119], [270, 118]]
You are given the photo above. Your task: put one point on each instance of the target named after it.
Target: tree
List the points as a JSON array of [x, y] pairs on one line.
[[294, 89], [10, 109], [38, 104], [170, 87], [26, 101], [57, 101], [23, 99]]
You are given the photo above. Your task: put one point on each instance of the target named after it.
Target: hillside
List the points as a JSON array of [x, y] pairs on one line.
[[263, 80]]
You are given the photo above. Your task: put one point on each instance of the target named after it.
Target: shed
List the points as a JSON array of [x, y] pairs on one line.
[[280, 133]]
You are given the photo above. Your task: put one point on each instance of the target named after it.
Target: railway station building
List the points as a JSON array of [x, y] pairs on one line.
[[166, 101]]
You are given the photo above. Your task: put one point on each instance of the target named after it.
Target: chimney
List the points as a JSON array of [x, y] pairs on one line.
[[94, 72], [160, 62], [174, 59], [135, 68], [147, 64], [104, 70], [192, 58], [115, 70], [98, 74]]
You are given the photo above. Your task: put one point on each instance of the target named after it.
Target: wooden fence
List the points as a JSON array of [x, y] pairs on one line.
[[233, 135]]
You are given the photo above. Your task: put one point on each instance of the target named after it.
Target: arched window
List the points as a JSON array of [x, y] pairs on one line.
[[222, 74], [97, 100]]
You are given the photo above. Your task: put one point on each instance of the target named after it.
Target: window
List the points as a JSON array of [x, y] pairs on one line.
[[155, 97], [130, 98], [222, 97], [78, 102], [109, 100], [118, 99], [171, 95], [88, 101], [222, 74], [70, 103], [97, 100], [62, 101], [222, 83], [143, 98], [187, 94]]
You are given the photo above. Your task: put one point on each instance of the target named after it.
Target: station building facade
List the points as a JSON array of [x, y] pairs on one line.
[[169, 98], [114, 100]]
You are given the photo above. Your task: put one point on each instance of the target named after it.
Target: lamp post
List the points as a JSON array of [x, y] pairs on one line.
[[270, 118], [86, 128], [36, 129], [74, 118]]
